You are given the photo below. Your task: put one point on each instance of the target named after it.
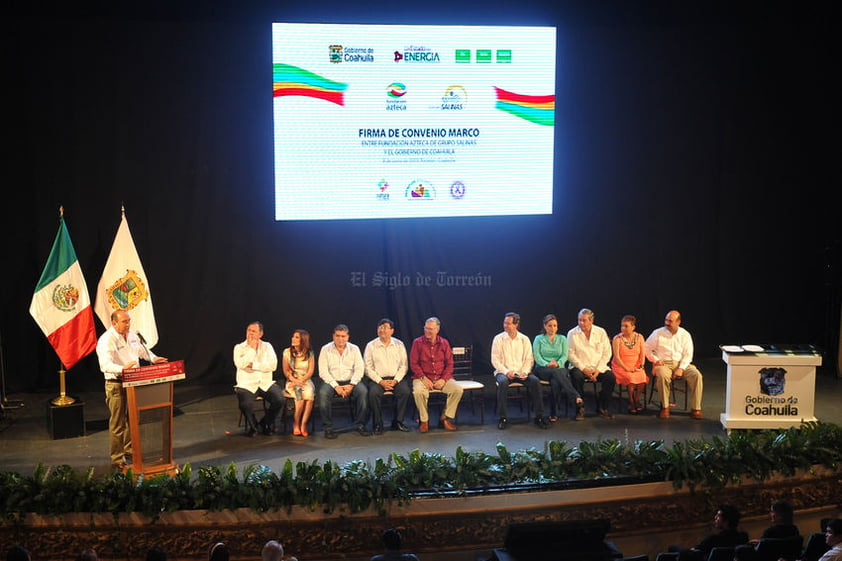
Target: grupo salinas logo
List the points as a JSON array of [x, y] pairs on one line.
[[457, 189], [420, 189], [338, 53], [417, 54], [454, 99]]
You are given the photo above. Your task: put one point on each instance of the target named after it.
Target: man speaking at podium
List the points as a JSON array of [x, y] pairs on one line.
[[120, 348]]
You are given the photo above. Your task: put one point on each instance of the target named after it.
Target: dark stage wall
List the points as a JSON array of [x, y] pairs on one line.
[[697, 167]]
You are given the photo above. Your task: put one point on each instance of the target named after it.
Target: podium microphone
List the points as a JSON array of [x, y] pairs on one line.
[[143, 344]]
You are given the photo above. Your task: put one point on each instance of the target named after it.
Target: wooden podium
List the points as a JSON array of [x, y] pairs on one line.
[[150, 403]]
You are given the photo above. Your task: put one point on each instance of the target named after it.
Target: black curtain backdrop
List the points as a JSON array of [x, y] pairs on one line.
[[697, 168]]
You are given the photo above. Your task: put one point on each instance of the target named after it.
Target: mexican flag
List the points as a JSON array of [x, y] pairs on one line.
[[61, 306]]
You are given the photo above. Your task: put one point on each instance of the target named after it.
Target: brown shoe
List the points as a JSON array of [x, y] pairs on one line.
[[696, 413], [447, 424], [424, 426], [580, 411], [664, 414]]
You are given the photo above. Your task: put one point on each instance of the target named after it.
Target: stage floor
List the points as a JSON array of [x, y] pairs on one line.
[[205, 429]]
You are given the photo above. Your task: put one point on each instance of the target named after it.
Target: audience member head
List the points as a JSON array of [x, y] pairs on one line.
[[88, 555], [156, 554], [219, 552], [781, 512], [392, 539], [272, 551], [833, 532], [18, 553], [727, 517]]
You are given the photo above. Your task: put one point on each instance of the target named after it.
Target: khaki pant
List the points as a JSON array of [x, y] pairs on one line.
[[663, 381], [451, 389], [118, 423]]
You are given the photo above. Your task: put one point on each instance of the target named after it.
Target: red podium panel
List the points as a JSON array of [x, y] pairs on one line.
[[150, 394]]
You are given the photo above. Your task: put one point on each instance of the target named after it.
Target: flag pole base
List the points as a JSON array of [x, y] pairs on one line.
[[63, 398]]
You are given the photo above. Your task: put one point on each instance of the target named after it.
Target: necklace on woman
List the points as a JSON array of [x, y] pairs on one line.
[[630, 344]]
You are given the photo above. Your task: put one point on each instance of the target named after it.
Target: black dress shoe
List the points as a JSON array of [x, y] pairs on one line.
[[605, 414], [330, 435], [397, 425], [542, 423], [378, 429], [250, 431], [361, 430], [504, 422], [266, 429]]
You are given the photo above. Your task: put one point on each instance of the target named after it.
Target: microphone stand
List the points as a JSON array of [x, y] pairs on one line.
[[143, 344], [5, 402]]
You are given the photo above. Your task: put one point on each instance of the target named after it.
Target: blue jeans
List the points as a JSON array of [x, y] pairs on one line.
[[359, 397]]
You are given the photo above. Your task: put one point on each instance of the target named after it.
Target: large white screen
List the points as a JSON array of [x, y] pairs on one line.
[[391, 121]]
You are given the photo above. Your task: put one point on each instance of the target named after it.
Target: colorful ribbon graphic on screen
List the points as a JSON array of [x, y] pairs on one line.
[[292, 80], [538, 109]]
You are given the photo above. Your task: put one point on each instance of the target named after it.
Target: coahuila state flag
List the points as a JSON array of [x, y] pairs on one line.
[[124, 286], [61, 306]]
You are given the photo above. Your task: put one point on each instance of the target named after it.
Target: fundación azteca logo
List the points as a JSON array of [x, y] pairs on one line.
[[394, 94]]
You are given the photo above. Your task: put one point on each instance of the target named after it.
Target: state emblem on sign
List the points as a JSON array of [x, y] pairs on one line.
[[127, 292], [772, 381]]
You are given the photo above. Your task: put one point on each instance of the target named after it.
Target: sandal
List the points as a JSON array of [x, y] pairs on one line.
[[296, 431]]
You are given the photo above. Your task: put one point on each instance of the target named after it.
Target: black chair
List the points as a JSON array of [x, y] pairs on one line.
[[721, 554], [259, 403], [815, 548], [463, 374], [772, 549], [677, 385]]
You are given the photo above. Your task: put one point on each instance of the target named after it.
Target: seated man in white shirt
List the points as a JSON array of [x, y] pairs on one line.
[[670, 349], [511, 357], [385, 369], [341, 368], [256, 360], [589, 355]]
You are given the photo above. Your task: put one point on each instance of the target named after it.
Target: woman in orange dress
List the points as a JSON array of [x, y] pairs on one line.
[[627, 363]]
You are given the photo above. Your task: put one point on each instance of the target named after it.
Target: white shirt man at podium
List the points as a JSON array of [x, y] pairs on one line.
[[120, 348], [256, 360]]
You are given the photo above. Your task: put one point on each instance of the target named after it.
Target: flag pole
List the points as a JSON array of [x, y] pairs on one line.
[[63, 398], [5, 402]]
